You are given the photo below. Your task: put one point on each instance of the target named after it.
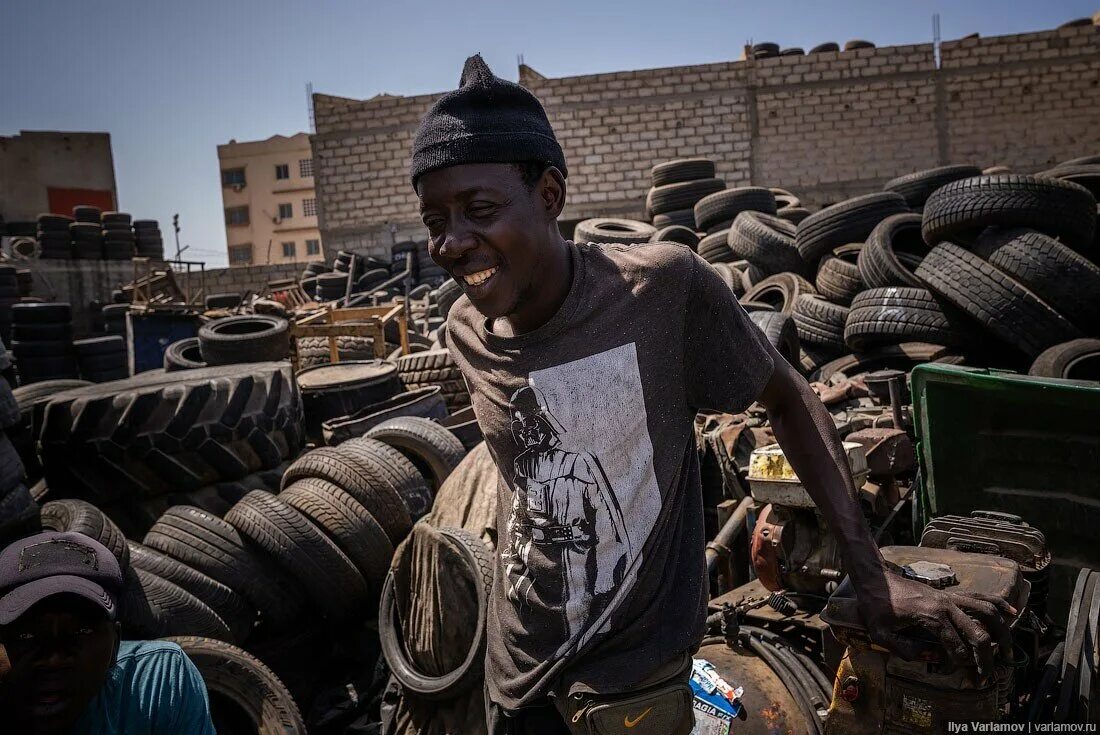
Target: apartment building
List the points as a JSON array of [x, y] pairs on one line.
[[269, 201]]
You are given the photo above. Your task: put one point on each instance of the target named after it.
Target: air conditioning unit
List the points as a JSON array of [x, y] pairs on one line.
[[238, 187]]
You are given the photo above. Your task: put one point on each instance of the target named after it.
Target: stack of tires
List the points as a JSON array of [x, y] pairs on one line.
[[54, 240], [118, 236], [183, 584], [750, 207], [102, 359], [332, 286], [308, 280], [677, 187], [42, 342], [148, 242], [25, 280], [10, 293], [114, 318], [87, 232]]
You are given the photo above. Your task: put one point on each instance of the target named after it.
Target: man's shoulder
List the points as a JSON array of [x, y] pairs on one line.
[[140, 662], [667, 261], [141, 650]]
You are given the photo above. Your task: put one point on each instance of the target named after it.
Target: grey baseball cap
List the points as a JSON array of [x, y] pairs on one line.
[[54, 563]]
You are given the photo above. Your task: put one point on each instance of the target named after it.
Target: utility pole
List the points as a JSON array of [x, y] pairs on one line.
[[176, 227]]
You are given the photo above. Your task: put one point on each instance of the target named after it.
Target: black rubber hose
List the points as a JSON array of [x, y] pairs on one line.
[[805, 661], [801, 697]]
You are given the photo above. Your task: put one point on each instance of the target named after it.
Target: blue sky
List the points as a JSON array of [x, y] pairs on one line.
[[172, 80]]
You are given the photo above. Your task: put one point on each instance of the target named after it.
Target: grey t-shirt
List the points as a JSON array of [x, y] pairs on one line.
[[601, 577]]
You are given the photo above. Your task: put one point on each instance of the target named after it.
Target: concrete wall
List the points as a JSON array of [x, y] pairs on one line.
[[35, 160], [251, 278], [827, 126], [263, 193]]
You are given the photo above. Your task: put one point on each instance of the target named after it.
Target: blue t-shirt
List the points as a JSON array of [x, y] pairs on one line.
[[153, 689]]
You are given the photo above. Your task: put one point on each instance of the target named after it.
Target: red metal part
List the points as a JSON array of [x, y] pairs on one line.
[[766, 551]]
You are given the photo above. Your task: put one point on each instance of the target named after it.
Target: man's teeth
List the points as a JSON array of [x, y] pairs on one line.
[[476, 279]]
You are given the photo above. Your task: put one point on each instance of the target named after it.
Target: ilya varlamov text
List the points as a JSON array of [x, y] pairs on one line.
[[1025, 727]]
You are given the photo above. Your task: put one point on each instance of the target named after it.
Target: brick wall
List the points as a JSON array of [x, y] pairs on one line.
[[827, 126]]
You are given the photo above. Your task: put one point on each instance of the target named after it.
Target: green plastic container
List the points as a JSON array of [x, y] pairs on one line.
[[989, 440]]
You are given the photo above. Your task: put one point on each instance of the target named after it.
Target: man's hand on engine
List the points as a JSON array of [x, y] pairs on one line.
[[965, 624]]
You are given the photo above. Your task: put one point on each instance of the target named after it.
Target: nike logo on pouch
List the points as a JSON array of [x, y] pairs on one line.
[[627, 722]]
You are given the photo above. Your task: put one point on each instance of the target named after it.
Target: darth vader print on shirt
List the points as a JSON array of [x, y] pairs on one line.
[[584, 493]]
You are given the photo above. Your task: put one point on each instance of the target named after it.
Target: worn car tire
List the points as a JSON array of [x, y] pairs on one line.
[[213, 547], [918, 186], [898, 314], [781, 291], [230, 672], [348, 524], [780, 330], [435, 367], [820, 323], [1077, 359], [304, 552], [615, 231], [480, 563], [359, 479], [683, 195], [767, 242], [723, 206], [80, 516], [395, 470], [892, 253], [237, 613], [963, 208], [838, 276], [239, 339], [681, 169], [714, 248], [432, 449], [184, 355], [1004, 307], [172, 610], [849, 221], [1057, 275]]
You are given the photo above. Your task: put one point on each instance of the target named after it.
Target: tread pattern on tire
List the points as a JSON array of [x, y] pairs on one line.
[[438, 450], [897, 314], [849, 221], [820, 323], [333, 582], [994, 299]]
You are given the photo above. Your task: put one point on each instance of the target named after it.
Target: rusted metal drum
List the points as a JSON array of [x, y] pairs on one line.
[[769, 706]]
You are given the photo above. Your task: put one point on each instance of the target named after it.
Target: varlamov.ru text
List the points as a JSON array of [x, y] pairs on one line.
[[1021, 727]]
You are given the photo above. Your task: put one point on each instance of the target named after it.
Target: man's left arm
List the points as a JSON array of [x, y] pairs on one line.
[[888, 602]]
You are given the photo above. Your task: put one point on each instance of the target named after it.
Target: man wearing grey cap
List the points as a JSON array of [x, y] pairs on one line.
[[69, 671]]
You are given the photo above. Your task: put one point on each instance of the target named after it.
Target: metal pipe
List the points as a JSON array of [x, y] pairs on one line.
[[720, 545]]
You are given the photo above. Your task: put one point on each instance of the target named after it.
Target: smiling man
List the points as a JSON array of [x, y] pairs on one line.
[[586, 366], [69, 673]]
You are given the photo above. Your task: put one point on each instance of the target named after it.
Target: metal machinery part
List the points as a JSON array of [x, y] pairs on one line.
[[769, 706], [792, 549], [877, 692]]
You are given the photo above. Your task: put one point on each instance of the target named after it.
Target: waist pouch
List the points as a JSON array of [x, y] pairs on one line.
[[659, 711]]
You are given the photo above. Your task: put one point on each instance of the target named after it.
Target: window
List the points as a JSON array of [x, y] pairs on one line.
[[305, 168], [286, 211], [309, 207], [282, 171], [233, 177], [240, 254], [236, 216], [288, 250], [313, 247]]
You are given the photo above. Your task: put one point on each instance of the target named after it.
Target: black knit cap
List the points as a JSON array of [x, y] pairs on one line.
[[485, 120]]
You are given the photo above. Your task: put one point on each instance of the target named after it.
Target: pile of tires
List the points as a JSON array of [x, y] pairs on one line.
[[102, 359], [434, 368], [113, 318], [614, 231], [678, 186], [42, 342]]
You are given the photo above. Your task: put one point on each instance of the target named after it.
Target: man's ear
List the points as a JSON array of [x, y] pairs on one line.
[[551, 190]]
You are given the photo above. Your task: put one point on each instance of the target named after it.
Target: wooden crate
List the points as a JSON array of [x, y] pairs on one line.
[[359, 321]]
